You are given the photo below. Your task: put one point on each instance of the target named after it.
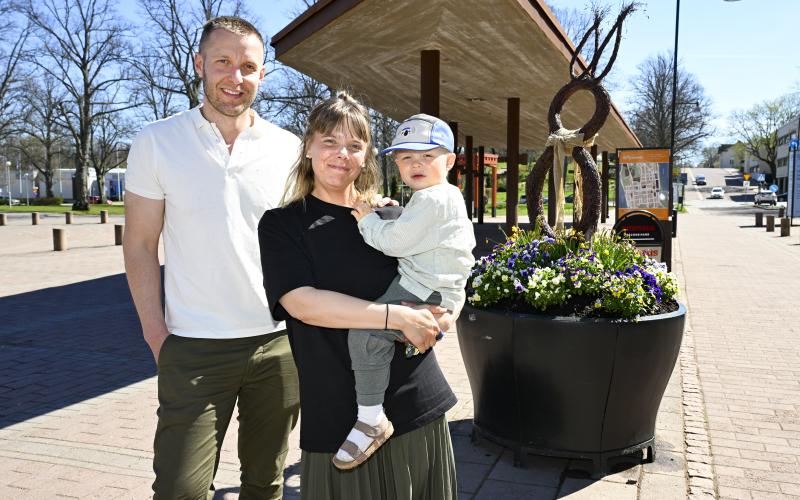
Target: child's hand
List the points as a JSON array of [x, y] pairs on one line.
[[361, 210]]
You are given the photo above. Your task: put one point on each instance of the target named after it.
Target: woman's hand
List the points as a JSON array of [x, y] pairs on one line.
[[361, 210], [419, 326], [443, 316]]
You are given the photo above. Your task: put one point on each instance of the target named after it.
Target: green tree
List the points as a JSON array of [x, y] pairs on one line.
[[757, 127]]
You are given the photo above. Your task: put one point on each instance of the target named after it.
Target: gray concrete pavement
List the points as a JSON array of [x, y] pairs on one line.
[[78, 396]]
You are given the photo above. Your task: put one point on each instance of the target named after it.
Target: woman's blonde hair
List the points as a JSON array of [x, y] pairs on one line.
[[345, 112]]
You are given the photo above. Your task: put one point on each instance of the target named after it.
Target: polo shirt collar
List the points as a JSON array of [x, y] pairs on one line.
[[256, 131]]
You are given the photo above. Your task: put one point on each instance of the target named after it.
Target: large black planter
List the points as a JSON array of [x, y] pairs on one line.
[[568, 387]]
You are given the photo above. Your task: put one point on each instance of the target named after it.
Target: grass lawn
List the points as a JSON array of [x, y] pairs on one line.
[[60, 209]]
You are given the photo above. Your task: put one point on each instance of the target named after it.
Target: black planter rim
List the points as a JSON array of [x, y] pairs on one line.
[[574, 319]]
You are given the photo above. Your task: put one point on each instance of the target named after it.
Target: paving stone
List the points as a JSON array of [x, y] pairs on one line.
[[662, 487]]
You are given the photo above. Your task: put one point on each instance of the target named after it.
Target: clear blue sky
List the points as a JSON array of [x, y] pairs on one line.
[[742, 52]]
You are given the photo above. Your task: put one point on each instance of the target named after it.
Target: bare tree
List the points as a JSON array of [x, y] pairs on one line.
[[110, 145], [757, 127], [710, 155], [13, 43], [289, 97], [165, 63], [651, 105], [43, 135], [82, 48]]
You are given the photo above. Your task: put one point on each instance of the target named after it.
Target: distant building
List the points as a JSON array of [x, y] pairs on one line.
[[746, 162], [786, 133]]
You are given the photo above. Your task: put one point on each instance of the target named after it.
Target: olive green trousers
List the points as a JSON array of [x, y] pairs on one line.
[[200, 383], [418, 465]]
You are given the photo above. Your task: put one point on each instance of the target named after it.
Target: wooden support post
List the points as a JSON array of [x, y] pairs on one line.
[[68, 216], [35, 218], [103, 216], [551, 198], [429, 82], [786, 226], [512, 167], [119, 231], [604, 208], [468, 190], [494, 190], [770, 223], [481, 175], [2, 219], [452, 175], [759, 219], [59, 240]]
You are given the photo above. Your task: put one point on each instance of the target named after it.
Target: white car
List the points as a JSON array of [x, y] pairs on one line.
[[766, 198], [717, 192]]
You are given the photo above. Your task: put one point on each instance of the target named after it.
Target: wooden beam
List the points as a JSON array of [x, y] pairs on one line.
[[481, 175], [469, 174], [512, 167], [429, 83], [452, 175]]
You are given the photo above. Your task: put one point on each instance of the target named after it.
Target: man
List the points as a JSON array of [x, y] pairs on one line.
[[202, 179]]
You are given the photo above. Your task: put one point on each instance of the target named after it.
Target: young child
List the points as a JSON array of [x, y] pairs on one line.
[[433, 240]]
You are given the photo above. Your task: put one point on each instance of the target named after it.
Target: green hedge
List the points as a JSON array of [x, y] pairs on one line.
[[55, 200]]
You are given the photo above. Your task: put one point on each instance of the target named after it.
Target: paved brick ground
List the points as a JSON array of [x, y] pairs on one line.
[[742, 284], [77, 393]]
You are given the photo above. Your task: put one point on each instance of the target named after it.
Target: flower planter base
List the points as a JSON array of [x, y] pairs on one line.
[[568, 387], [600, 461]]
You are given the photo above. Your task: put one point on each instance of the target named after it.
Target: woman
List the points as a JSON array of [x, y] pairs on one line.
[[321, 277]]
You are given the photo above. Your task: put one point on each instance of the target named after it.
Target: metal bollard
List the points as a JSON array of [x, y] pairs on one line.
[[770, 223], [781, 212], [103, 216], [68, 215], [35, 218], [119, 231], [59, 240], [759, 219], [2, 219], [786, 226]]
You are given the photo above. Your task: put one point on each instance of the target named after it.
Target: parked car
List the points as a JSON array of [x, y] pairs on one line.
[[717, 192], [700, 180], [4, 201], [766, 198]]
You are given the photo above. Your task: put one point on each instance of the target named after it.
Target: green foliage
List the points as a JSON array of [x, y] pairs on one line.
[[47, 201]]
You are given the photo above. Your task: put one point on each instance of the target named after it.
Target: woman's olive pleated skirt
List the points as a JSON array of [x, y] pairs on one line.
[[418, 465]]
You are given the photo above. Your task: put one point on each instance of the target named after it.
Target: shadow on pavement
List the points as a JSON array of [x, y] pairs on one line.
[[66, 344]]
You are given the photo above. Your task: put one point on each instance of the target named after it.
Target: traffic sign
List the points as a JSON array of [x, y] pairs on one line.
[[774, 188], [746, 177], [793, 144], [760, 177]]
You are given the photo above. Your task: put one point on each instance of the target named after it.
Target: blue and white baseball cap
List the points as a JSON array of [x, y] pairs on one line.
[[421, 133]]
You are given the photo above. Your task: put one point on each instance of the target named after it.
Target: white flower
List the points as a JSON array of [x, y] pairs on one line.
[[476, 298], [505, 278], [477, 281]]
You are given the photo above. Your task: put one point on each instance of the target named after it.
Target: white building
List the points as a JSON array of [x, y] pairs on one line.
[[749, 164], [21, 183], [786, 133]]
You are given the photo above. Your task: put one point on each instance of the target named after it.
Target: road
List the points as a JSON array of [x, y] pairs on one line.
[[736, 201]]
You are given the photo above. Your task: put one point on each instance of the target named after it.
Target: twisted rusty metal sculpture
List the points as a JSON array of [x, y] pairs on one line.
[[588, 80]]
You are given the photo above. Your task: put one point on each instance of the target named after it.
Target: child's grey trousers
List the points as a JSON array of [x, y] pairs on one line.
[[371, 351]]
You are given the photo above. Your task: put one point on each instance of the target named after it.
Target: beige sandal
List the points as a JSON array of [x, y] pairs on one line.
[[379, 434]]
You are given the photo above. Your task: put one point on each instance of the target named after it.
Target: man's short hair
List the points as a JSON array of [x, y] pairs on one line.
[[233, 24]]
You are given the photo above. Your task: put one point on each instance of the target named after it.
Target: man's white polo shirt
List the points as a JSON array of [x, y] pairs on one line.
[[213, 202]]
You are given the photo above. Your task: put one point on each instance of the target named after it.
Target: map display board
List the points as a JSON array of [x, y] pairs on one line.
[[643, 182]]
